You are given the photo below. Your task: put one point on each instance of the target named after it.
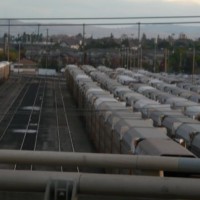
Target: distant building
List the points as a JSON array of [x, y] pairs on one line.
[[24, 66], [47, 72]]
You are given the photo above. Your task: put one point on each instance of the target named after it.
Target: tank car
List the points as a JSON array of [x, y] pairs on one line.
[[4, 71]]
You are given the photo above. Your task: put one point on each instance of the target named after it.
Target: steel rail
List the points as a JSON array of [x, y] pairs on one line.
[[28, 124], [57, 120], [15, 111], [103, 184], [121, 161], [4, 88], [68, 126], [30, 117], [39, 119], [7, 110], [6, 85]]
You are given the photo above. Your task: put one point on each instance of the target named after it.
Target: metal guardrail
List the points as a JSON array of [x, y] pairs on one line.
[[101, 184], [66, 185], [177, 164]]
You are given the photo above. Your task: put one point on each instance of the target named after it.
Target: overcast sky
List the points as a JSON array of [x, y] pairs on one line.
[[97, 8]]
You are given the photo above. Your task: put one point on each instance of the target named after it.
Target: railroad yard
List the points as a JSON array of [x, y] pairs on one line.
[[99, 133], [100, 107]]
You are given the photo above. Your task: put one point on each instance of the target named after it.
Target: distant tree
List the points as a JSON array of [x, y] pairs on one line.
[[24, 37], [173, 62], [163, 44], [111, 36], [144, 38], [2, 56], [125, 42], [102, 43], [13, 56]]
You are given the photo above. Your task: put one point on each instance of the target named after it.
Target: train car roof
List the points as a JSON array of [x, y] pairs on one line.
[[124, 125], [104, 100], [169, 121], [138, 133], [144, 102], [125, 115], [162, 147], [188, 131]]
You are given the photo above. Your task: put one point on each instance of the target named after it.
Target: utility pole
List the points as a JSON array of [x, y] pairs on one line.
[[131, 58], [155, 52], [38, 33], [166, 55], [141, 58], [8, 40], [47, 36], [122, 57], [19, 56], [127, 57], [19, 52], [138, 33], [193, 64], [139, 46], [84, 54], [180, 61]]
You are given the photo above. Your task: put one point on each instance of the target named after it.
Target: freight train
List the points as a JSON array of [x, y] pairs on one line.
[[4, 71], [173, 113], [113, 127]]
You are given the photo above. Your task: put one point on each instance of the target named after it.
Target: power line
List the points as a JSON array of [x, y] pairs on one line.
[[102, 24], [107, 18]]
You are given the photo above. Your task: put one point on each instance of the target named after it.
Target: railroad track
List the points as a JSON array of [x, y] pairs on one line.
[[19, 132], [12, 110], [31, 130], [65, 139], [10, 94], [57, 136], [41, 118]]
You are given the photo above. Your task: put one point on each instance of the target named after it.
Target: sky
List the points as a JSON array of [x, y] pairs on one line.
[[97, 8], [100, 8]]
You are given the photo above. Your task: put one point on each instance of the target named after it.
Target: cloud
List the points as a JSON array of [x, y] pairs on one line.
[[97, 8], [184, 1]]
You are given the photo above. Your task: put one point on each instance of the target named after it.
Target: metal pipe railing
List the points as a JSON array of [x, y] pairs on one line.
[[177, 164], [102, 184]]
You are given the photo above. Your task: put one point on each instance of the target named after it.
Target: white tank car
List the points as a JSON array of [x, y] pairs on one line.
[[4, 70]]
